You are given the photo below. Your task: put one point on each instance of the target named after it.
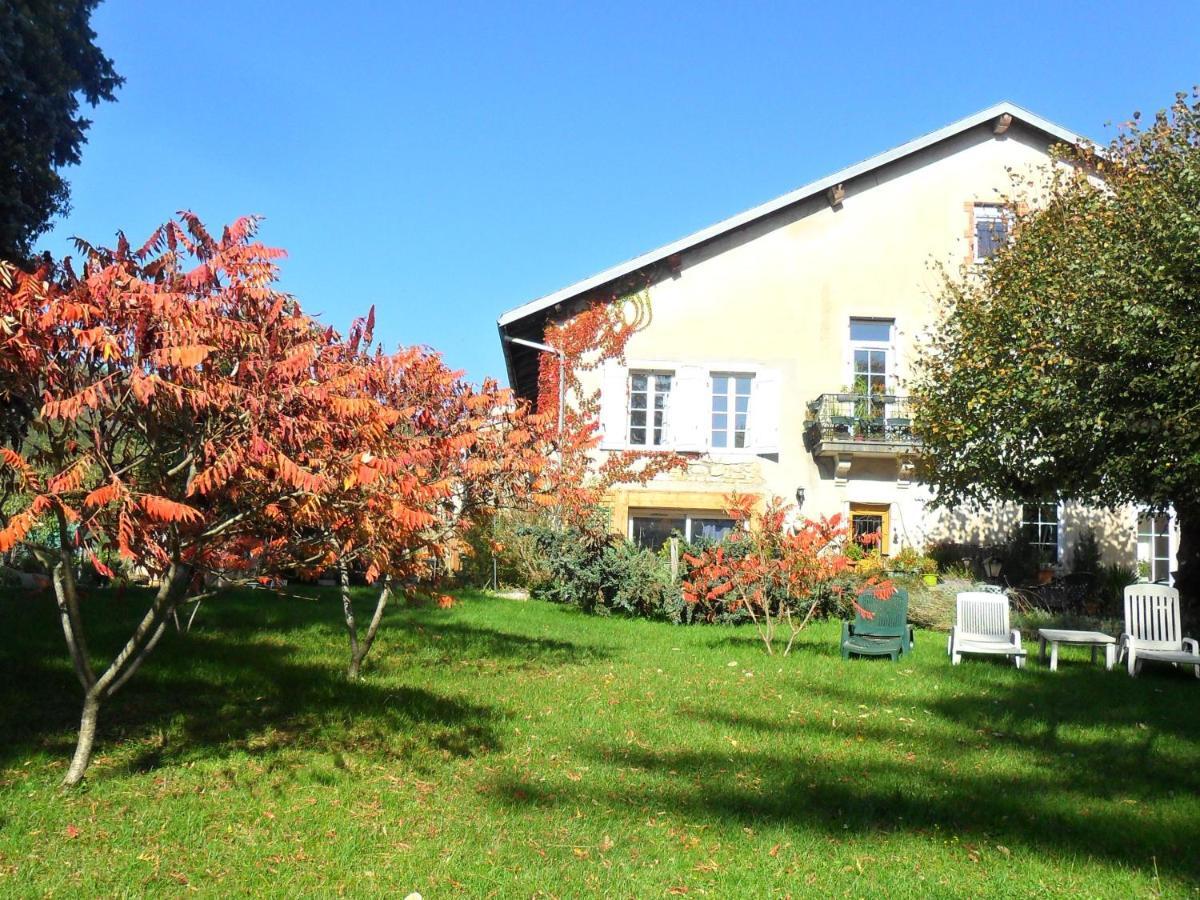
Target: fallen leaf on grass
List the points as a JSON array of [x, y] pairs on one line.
[[72, 832]]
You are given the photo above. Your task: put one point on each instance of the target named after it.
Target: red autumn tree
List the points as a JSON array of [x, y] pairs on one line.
[[162, 408], [442, 456], [777, 569]]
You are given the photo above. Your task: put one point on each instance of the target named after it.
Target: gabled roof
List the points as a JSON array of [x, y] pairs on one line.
[[513, 317]]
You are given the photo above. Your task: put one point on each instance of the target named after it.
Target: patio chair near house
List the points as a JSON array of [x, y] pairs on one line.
[[1152, 629], [982, 625], [880, 626]]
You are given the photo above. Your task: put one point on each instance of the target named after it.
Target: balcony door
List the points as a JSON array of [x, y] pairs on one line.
[[872, 364]]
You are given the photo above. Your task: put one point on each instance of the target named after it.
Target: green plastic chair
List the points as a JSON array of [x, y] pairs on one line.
[[887, 633]]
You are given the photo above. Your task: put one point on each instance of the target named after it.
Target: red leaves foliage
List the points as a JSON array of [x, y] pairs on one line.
[[599, 332], [189, 412], [784, 557], [779, 568]]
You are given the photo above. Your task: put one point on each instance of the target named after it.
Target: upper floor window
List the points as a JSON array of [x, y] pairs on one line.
[[649, 403], [730, 410], [991, 228], [871, 355], [1154, 547], [1039, 521]]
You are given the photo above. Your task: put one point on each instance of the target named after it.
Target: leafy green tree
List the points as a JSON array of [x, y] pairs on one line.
[[1069, 365], [48, 60]]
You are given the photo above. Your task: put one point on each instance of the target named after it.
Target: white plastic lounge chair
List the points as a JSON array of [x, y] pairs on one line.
[[981, 625], [1152, 628]]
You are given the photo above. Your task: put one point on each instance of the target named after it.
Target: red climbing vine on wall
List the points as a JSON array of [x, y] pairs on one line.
[[597, 333]]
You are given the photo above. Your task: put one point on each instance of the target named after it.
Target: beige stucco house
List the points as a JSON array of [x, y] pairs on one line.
[[780, 341]]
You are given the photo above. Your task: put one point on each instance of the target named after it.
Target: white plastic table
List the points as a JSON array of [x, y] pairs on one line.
[[1093, 639]]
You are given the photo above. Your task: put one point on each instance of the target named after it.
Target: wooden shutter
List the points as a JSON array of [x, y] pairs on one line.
[[689, 407], [765, 412], [614, 402]]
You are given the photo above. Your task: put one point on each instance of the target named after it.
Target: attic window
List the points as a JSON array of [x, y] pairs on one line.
[[992, 227]]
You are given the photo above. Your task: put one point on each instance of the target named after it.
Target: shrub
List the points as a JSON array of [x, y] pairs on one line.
[[1019, 557], [637, 582], [948, 554], [510, 539], [959, 572], [787, 575], [907, 562], [1086, 557], [932, 606], [586, 566], [1032, 619], [573, 556], [1110, 588]]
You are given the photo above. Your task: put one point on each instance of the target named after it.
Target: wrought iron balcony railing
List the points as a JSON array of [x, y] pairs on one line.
[[847, 418]]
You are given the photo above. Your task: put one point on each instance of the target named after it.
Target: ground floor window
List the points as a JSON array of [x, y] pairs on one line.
[[1154, 547], [1039, 522], [651, 529], [869, 525]]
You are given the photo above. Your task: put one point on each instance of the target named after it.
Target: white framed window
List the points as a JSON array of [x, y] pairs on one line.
[[649, 408], [1154, 547], [730, 408], [871, 355], [1039, 522], [872, 360], [651, 529], [991, 228]]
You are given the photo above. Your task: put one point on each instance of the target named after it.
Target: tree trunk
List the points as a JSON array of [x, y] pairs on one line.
[[351, 624], [1187, 576], [364, 647], [86, 740], [127, 661]]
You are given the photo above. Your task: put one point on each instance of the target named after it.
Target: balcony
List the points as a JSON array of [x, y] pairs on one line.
[[845, 426]]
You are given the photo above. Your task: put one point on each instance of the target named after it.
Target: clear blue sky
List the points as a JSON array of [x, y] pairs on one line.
[[448, 161]]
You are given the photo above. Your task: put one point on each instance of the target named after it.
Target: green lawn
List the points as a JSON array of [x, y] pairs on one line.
[[514, 749]]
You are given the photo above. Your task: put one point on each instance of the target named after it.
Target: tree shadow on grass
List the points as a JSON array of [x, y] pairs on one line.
[[1081, 765], [986, 695], [460, 641], [219, 691], [319, 610]]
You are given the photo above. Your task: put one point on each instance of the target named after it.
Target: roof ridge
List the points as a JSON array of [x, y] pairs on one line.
[[803, 192]]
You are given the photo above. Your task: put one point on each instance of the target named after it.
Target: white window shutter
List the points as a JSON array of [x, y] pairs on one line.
[[765, 411], [689, 409], [614, 401]]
